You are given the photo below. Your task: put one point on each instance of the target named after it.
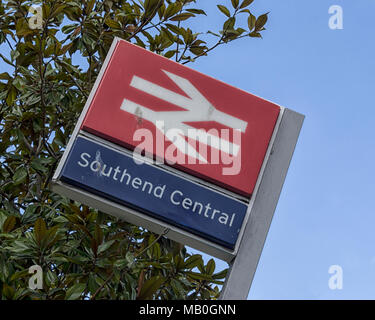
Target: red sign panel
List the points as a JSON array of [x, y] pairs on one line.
[[195, 123]]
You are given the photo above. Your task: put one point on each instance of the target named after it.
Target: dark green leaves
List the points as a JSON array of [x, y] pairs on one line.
[[11, 95], [112, 24], [235, 3], [193, 261], [251, 20], [246, 3], [257, 24], [197, 11], [9, 224], [171, 10], [170, 53], [40, 230], [151, 6], [182, 16], [5, 76], [104, 246], [210, 267], [8, 292], [75, 292], [150, 287], [224, 10], [86, 253], [37, 165], [220, 275], [261, 21], [20, 176]]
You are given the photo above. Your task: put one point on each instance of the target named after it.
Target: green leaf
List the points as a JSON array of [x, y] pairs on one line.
[[75, 292], [129, 257], [150, 287], [173, 28], [224, 10], [92, 284], [9, 224], [19, 246], [261, 21], [161, 11], [29, 214], [213, 33], [197, 50], [37, 165], [14, 54], [40, 230], [8, 291], [199, 276], [169, 54], [255, 34], [69, 28], [11, 96], [240, 31], [251, 22], [19, 83], [90, 6], [245, 10], [210, 267], [220, 275], [5, 76], [20, 176], [246, 3], [112, 24], [156, 251], [20, 274], [193, 261], [104, 246], [182, 16], [197, 11], [98, 234], [50, 237], [171, 10], [177, 288], [235, 3], [229, 24], [150, 6], [179, 262], [120, 263]]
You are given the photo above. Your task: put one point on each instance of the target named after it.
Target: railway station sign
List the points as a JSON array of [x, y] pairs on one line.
[[168, 148]]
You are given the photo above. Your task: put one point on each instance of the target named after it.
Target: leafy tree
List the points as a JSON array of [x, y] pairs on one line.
[[85, 253]]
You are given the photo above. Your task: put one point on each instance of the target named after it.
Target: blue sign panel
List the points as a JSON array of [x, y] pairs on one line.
[[116, 176]]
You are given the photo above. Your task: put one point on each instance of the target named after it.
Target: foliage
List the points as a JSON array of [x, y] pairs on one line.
[[84, 253]]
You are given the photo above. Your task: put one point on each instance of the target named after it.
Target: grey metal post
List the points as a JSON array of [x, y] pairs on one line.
[[262, 208]]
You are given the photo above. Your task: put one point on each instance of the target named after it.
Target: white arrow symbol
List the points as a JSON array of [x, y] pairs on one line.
[[197, 108]]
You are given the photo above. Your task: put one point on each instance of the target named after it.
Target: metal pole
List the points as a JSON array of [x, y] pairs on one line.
[[263, 205]]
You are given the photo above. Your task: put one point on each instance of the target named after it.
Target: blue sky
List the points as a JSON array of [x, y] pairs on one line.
[[325, 214]]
